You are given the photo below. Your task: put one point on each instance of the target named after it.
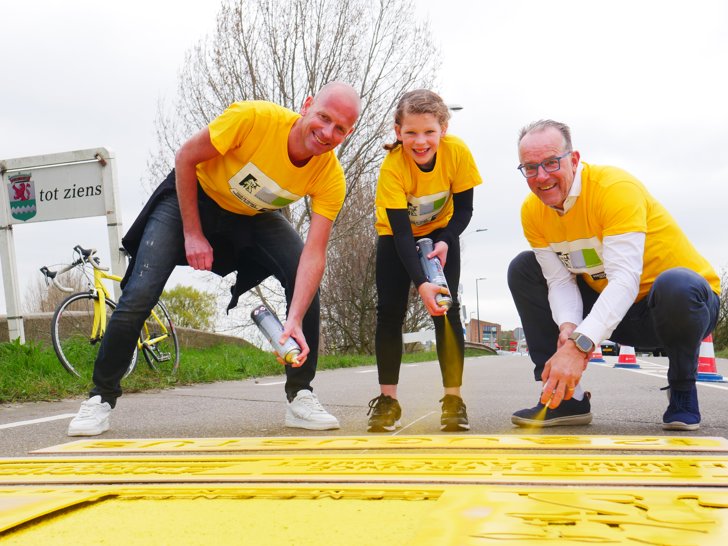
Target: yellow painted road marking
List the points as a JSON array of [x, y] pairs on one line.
[[441, 442], [379, 468], [361, 515], [478, 516], [21, 505]]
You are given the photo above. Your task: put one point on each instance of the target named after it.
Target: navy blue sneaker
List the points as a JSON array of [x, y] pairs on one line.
[[683, 412], [569, 412]]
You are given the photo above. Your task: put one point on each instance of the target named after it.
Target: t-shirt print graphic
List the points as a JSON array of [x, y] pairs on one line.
[[258, 191]]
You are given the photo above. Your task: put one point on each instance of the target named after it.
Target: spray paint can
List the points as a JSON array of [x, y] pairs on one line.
[[433, 271], [269, 325]]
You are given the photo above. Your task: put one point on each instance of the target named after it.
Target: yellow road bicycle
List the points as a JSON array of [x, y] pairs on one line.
[[79, 322]]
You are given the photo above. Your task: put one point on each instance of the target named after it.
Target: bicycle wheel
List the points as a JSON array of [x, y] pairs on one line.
[[160, 344], [71, 333]]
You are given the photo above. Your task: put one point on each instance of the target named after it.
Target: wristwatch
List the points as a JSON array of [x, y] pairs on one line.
[[583, 343]]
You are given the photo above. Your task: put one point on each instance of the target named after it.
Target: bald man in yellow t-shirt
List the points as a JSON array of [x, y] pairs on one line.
[[219, 211], [608, 262]]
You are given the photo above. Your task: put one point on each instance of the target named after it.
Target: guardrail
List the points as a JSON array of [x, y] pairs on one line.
[[481, 346]]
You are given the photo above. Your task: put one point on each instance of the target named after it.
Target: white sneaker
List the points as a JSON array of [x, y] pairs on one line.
[[307, 412], [92, 418]]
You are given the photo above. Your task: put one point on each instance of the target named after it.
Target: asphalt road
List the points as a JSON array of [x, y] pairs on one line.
[[623, 402]]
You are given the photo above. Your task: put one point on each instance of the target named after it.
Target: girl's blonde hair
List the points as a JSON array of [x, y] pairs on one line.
[[419, 101]]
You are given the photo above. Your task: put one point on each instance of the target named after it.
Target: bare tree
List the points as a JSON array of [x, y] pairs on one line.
[[40, 297], [284, 51], [720, 334]]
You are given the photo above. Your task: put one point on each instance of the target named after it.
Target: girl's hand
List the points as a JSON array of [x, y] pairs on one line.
[[439, 251], [428, 291]]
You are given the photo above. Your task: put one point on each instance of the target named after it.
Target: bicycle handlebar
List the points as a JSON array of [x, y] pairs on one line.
[[86, 255], [89, 255], [51, 276]]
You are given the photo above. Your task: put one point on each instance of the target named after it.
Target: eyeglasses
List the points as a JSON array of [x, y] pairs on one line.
[[550, 165]]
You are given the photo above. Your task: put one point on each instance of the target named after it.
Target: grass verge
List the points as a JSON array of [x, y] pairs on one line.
[[31, 372]]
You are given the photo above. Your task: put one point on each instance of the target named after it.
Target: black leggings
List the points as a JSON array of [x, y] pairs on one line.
[[393, 285]]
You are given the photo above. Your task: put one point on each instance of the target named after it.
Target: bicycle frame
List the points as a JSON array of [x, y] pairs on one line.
[[157, 339], [102, 294], [99, 326]]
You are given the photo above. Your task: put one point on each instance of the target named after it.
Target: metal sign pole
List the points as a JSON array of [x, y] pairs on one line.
[[113, 221], [10, 274], [61, 186]]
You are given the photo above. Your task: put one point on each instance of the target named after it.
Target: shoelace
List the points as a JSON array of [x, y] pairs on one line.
[[680, 400], [311, 402], [452, 403], [86, 410], [379, 400]]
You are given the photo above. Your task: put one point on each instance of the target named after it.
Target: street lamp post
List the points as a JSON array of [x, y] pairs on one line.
[[477, 307]]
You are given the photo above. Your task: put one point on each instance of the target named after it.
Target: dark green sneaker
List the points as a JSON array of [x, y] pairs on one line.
[[385, 414], [454, 417]]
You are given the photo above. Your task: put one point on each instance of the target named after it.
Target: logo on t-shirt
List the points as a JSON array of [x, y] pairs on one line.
[[581, 256], [425, 209], [255, 189]]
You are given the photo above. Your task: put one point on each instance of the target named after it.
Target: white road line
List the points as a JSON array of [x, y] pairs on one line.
[[723, 386], [271, 384], [655, 369], [366, 371], [36, 421], [425, 416]]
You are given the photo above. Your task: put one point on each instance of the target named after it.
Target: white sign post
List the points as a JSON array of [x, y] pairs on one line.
[[49, 187]]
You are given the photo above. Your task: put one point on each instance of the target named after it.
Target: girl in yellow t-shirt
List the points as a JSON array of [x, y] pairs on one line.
[[425, 189]]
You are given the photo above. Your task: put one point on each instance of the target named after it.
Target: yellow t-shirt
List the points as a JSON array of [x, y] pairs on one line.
[[612, 202], [426, 196], [254, 174]]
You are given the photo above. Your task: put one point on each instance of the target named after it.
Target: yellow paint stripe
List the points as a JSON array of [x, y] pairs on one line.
[[450, 514], [441, 442], [478, 516], [410, 468]]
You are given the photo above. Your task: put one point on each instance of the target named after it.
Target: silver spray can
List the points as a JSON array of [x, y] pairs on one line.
[[433, 271], [269, 325]]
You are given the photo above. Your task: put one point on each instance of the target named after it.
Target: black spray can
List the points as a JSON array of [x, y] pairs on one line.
[[433, 271], [268, 323]]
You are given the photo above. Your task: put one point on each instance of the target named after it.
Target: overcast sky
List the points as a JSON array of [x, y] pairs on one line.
[[642, 83]]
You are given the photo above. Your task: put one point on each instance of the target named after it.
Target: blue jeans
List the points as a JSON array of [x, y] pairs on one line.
[[275, 245], [679, 311]]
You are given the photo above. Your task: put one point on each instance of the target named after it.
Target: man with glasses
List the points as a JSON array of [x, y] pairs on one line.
[[608, 262]]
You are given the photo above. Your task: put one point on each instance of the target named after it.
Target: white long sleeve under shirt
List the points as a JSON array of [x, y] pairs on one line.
[[622, 258]]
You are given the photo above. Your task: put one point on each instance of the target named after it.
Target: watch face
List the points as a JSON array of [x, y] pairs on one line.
[[583, 343]]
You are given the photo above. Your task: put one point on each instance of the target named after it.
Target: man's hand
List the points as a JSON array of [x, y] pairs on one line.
[[565, 330], [197, 149], [293, 329], [308, 278], [563, 371], [198, 251]]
